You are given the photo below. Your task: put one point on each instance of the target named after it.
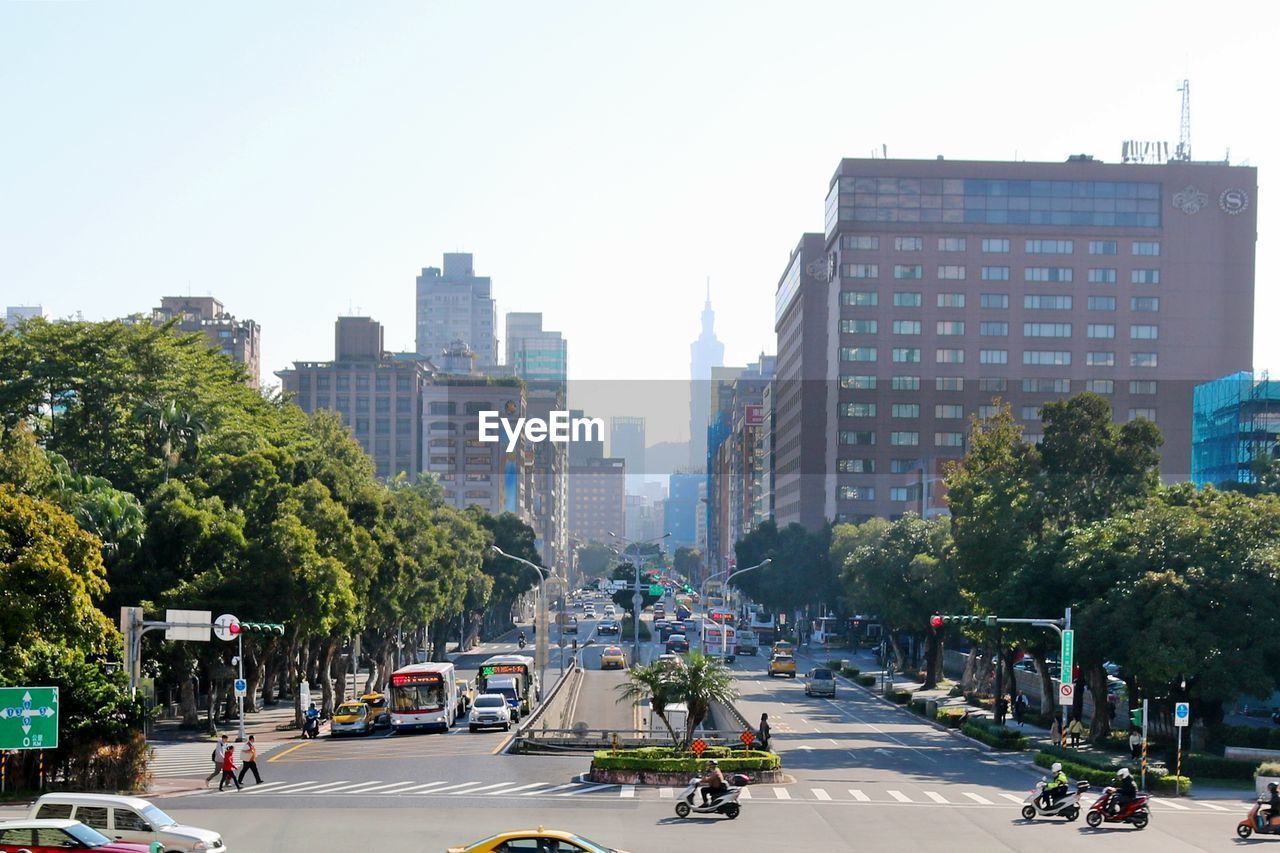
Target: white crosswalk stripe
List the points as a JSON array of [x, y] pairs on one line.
[[744, 794], [936, 797], [1013, 798], [899, 796], [195, 760], [859, 796], [781, 793], [518, 788], [819, 794], [669, 793], [1170, 804], [627, 791], [979, 799]]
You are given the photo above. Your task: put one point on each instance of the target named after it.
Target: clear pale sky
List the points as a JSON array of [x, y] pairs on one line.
[[601, 160]]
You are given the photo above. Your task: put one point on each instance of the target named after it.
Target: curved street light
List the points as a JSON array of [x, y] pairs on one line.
[[540, 641]]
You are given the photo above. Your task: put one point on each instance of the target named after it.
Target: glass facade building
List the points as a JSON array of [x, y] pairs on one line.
[[1236, 418]]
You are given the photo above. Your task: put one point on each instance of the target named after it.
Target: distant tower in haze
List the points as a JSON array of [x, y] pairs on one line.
[[704, 354]]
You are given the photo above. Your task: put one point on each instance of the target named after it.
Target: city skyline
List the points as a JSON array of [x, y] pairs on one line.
[[302, 199]]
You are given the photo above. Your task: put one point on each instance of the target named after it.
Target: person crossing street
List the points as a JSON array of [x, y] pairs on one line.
[[250, 763], [219, 752], [229, 769]]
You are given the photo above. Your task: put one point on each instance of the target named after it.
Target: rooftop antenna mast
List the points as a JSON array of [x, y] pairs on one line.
[[1183, 153]]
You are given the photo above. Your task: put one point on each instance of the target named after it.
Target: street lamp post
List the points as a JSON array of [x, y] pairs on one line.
[[539, 640], [636, 598], [724, 635]]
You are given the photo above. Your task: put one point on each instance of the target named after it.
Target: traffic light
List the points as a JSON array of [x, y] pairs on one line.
[[1135, 719], [940, 620], [267, 628]]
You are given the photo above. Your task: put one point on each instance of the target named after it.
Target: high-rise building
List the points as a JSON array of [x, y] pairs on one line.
[[379, 397], [15, 314], [455, 304], [626, 441], [798, 434], [1236, 421], [683, 509], [533, 353], [597, 498], [583, 449], [957, 283], [705, 353], [549, 479], [241, 340]]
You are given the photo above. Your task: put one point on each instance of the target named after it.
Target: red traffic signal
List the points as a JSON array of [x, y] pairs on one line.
[[936, 621]]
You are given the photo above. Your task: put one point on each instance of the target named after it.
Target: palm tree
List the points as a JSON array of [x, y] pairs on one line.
[[700, 683], [657, 683]]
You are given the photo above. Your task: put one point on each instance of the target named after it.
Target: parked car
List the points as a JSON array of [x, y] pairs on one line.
[[782, 665], [490, 710], [820, 682], [58, 836], [379, 710], [351, 718], [612, 658], [677, 643], [130, 819]]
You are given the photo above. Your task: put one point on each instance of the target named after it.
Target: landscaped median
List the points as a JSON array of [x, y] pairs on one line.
[[663, 765]]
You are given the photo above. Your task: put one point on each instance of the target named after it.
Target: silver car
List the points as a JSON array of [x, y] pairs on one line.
[[820, 682], [490, 711]]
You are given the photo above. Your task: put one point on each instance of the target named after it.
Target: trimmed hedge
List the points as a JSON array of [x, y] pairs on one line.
[[1165, 784], [867, 680], [1268, 768], [628, 632], [1093, 775], [667, 760], [1255, 737], [851, 672], [950, 717], [993, 735], [919, 705], [1216, 767], [900, 697], [1098, 761]]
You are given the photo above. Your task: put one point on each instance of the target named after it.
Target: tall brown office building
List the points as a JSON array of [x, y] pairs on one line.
[[239, 339], [597, 500], [956, 282]]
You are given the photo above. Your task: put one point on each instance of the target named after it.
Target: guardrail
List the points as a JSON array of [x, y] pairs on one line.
[[570, 675], [583, 739]]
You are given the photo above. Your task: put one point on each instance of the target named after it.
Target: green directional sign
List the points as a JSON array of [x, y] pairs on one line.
[[1068, 654], [656, 589], [28, 718]]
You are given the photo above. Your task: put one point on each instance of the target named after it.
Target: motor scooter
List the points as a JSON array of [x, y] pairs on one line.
[[1068, 806], [1250, 824], [725, 802], [1137, 811], [522, 643]]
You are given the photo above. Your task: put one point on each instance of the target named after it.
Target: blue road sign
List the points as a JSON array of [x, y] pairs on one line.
[[1181, 713], [241, 686]]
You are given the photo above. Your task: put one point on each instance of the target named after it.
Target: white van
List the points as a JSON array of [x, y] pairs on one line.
[[127, 819]]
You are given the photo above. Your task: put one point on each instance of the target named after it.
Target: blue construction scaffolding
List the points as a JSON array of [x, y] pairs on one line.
[[1234, 419]]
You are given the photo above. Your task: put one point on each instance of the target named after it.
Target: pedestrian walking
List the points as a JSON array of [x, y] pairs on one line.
[[1111, 706], [229, 768], [1076, 730], [1002, 710], [1135, 742], [1020, 706], [1055, 733], [764, 732], [219, 752], [250, 762]]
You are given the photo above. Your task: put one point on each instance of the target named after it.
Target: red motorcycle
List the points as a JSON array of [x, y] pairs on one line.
[[1137, 811]]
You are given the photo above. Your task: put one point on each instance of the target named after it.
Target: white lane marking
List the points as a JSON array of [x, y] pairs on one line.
[[859, 796], [549, 790], [392, 788], [879, 731], [979, 799], [669, 793], [899, 796], [936, 797], [820, 794], [518, 788], [455, 787], [1215, 807], [832, 742], [627, 791], [266, 785], [744, 794], [422, 787], [483, 788], [782, 793], [588, 790], [1013, 798], [1171, 804], [357, 787], [314, 787]]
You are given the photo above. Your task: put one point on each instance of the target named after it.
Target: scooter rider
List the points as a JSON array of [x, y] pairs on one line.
[[1056, 786], [1273, 806], [1125, 793], [713, 782], [521, 639]]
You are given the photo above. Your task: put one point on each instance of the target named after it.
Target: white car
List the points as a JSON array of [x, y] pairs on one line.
[[127, 819], [489, 711]]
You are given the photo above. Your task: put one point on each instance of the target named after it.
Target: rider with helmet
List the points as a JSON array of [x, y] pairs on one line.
[[1272, 802], [713, 782], [1126, 791], [1056, 786]]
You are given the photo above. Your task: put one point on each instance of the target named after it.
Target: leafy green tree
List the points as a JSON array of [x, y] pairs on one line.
[[687, 561], [594, 560], [801, 575], [658, 683], [701, 683]]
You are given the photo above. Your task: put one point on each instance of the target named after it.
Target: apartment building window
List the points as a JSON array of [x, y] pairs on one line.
[[905, 383], [1046, 330], [362, 426], [1149, 414], [951, 244], [993, 329], [908, 244], [440, 409], [903, 466], [382, 382], [857, 466], [1102, 303], [951, 272], [993, 356], [1100, 386], [1146, 248], [1102, 247], [994, 300], [906, 410], [900, 494], [950, 300], [1144, 333], [1100, 359], [404, 426], [1142, 386], [860, 271], [403, 384], [403, 405], [858, 327], [1036, 301], [948, 411], [906, 299], [857, 353], [362, 404], [322, 382], [344, 382], [1144, 303], [477, 408], [908, 271], [995, 246], [1046, 386], [1031, 413], [1102, 276], [382, 405], [362, 382], [906, 327], [1144, 276], [860, 242], [948, 383], [1102, 330], [988, 411], [1062, 274], [948, 356], [993, 384], [1049, 247], [904, 439], [948, 439], [860, 298], [950, 327], [861, 438], [906, 355], [858, 493], [858, 410], [995, 273], [858, 383], [1042, 356], [1143, 359]]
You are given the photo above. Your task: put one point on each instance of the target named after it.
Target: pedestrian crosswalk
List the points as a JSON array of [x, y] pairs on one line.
[[193, 760], [796, 794]]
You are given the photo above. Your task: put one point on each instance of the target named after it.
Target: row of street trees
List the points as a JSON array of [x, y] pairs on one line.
[[1173, 583], [138, 467]]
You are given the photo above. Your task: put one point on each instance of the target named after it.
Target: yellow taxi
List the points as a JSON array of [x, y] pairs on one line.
[[612, 658], [782, 665], [351, 718], [783, 649], [379, 710], [536, 841]]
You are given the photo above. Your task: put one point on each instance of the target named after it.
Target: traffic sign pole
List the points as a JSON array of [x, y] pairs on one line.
[[1181, 717], [240, 693]]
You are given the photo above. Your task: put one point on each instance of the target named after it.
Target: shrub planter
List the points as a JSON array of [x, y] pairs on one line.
[[1267, 773], [670, 779]]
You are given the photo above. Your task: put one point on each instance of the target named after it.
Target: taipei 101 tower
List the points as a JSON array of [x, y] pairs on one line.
[[704, 354]]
